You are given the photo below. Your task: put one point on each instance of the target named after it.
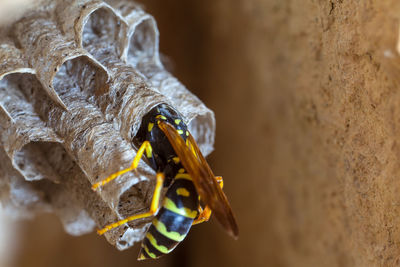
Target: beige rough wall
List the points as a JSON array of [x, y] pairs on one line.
[[307, 101]]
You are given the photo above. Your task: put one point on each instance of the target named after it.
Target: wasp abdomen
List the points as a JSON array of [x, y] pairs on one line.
[[173, 221]]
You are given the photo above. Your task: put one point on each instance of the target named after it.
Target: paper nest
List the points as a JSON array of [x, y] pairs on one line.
[[76, 78]]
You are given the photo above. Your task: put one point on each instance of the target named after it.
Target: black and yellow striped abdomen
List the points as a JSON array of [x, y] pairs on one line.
[[173, 220]]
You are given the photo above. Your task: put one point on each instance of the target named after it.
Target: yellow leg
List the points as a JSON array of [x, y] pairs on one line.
[[204, 215], [153, 207], [220, 181], [144, 147]]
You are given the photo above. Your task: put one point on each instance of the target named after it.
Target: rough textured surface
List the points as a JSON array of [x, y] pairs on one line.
[[313, 110], [76, 78]]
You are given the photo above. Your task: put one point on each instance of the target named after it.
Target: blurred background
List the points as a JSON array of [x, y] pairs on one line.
[[305, 104]]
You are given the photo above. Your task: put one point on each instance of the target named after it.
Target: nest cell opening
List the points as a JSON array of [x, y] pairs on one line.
[[143, 46], [199, 127], [36, 159], [17, 90], [103, 31], [80, 75], [10, 93]]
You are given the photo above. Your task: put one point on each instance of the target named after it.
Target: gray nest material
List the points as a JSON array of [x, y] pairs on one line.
[[76, 78]]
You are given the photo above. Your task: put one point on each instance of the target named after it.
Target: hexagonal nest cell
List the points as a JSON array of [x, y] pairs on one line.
[[76, 78]]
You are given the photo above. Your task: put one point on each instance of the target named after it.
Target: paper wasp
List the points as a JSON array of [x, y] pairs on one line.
[[173, 153]]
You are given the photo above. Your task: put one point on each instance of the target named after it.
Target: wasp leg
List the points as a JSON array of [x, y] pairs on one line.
[[153, 207], [220, 181], [204, 215], [144, 147]]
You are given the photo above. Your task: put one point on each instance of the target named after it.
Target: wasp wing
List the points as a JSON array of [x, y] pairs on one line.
[[202, 176]]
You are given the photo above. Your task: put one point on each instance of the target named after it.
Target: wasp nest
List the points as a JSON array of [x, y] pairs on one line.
[[76, 78]]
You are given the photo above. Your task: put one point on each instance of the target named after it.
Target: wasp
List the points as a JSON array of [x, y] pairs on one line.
[[163, 138]]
